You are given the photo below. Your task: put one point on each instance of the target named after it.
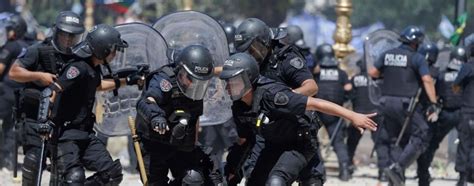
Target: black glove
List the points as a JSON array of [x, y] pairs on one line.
[[133, 78], [45, 128], [433, 111], [159, 124]]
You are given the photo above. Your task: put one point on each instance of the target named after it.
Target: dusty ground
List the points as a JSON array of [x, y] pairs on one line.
[[366, 173]]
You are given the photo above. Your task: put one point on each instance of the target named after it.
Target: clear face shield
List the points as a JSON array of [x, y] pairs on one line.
[[238, 86], [63, 41], [191, 86]]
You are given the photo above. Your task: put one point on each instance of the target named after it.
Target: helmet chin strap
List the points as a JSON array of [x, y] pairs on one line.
[[114, 76]]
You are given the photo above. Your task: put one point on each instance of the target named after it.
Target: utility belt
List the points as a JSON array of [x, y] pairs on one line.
[[27, 102], [82, 124]]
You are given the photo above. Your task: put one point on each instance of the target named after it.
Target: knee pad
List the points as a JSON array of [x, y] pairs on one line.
[[75, 176], [275, 180], [30, 166], [111, 177], [193, 178]]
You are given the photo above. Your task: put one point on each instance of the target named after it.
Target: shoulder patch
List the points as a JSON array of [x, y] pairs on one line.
[[165, 85], [72, 72], [297, 62], [281, 99]]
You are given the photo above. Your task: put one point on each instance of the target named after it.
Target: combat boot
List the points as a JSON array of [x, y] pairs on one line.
[[382, 176], [462, 179], [344, 172], [395, 174]]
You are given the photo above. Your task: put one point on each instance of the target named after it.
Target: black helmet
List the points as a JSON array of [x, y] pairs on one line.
[[240, 72], [100, 42], [229, 32], [469, 45], [67, 31], [430, 51], [250, 30], [325, 56], [295, 35], [412, 35], [457, 58], [194, 70], [69, 22]]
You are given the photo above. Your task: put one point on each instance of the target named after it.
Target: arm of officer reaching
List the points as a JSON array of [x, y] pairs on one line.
[[22, 75], [360, 121], [428, 84], [148, 108], [307, 88]]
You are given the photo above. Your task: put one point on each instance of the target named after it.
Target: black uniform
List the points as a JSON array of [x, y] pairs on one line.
[[362, 104], [287, 65], [165, 152], [77, 145], [8, 53], [280, 111], [465, 153], [449, 118], [44, 58], [331, 81], [402, 69]]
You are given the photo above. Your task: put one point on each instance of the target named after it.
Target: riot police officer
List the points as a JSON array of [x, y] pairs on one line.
[[361, 103], [262, 105], [167, 118], [10, 47], [281, 62], [295, 37], [449, 116], [402, 69], [335, 85], [71, 118], [38, 68], [465, 81]]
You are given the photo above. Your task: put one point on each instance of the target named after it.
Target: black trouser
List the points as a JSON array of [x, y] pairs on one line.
[[89, 153], [465, 152], [160, 158], [448, 119], [353, 138], [339, 145], [7, 100], [416, 137], [32, 150]]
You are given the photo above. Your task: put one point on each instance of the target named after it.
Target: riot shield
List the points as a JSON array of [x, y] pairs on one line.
[[375, 44], [146, 46], [443, 59], [181, 29], [350, 62], [3, 36]]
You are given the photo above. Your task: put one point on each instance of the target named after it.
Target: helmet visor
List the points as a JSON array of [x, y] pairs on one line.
[[258, 50], [63, 41], [238, 86], [191, 87]]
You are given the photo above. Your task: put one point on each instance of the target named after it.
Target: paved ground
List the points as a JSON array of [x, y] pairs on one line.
[[365, 175]]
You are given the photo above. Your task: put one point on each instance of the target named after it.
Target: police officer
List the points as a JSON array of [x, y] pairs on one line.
[[450, 114], [281, 62], [262, 105], [334, 84], [167, 119], [402, 69], [295, 37], [361, 103], [465, 81], [73, 97], [15, 28], [38, 68]]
